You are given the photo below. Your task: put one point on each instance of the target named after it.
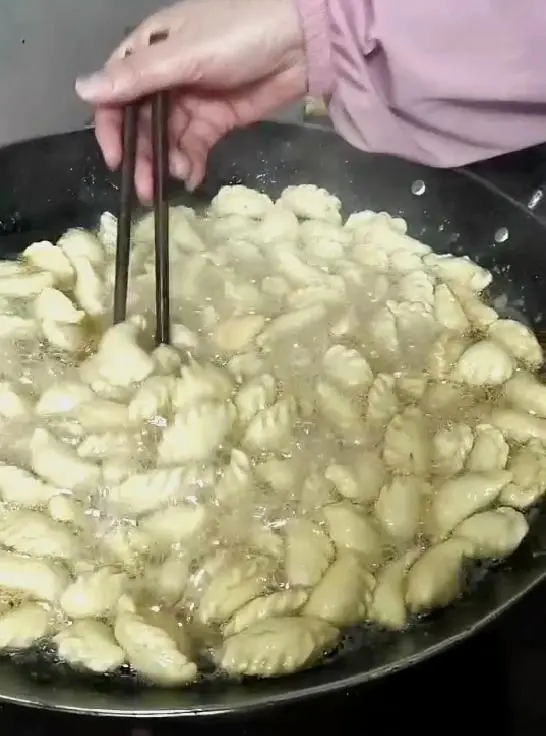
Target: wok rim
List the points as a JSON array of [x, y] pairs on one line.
[[260, 703]]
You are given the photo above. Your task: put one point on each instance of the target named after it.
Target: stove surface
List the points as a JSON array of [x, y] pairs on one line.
[[492, 681]]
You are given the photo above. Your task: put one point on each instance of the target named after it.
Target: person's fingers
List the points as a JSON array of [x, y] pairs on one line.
[[212, 117], [108, 134], [147, 70], [209, 122], [179, 163], [144, 182], [144, 142], [197, 171], [143, 165]]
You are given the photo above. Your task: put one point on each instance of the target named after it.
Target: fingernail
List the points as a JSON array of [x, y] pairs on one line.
[[179, 165], [193, 181], [93, 86]]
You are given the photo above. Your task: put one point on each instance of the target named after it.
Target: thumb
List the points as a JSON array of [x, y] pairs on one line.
[[149, 69]]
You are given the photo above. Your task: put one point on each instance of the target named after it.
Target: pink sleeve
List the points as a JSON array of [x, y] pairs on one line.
[[442, 82]]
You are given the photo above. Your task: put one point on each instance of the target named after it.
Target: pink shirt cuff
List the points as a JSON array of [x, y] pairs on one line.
[[316, 32]]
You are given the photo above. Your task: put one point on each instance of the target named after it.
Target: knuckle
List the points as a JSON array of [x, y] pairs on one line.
[[127, 77]]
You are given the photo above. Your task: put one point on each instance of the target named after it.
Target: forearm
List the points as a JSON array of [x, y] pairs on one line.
[[443, 83]]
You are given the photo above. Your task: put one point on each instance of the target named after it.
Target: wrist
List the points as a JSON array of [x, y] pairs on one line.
[[315, 27]]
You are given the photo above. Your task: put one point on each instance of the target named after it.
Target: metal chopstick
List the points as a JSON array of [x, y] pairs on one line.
[[160, 152], [123, 244], [161, 217], [160, 169]]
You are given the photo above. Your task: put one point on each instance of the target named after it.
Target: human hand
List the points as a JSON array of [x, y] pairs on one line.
[[226, 63]]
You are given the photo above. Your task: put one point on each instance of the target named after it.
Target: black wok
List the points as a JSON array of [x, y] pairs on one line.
[[50, 184]]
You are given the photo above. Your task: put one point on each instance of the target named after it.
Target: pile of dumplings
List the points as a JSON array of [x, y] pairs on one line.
[[341, 425]]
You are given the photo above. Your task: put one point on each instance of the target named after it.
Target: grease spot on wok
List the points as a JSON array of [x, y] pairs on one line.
[[502, 235], [418, 187]]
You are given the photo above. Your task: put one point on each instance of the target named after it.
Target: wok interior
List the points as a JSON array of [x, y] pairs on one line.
[[51, 184]]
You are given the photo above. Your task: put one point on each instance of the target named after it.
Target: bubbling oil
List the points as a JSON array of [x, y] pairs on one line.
[[208, 289]]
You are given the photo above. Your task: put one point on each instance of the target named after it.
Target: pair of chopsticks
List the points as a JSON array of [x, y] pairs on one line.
[[160, 168]]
